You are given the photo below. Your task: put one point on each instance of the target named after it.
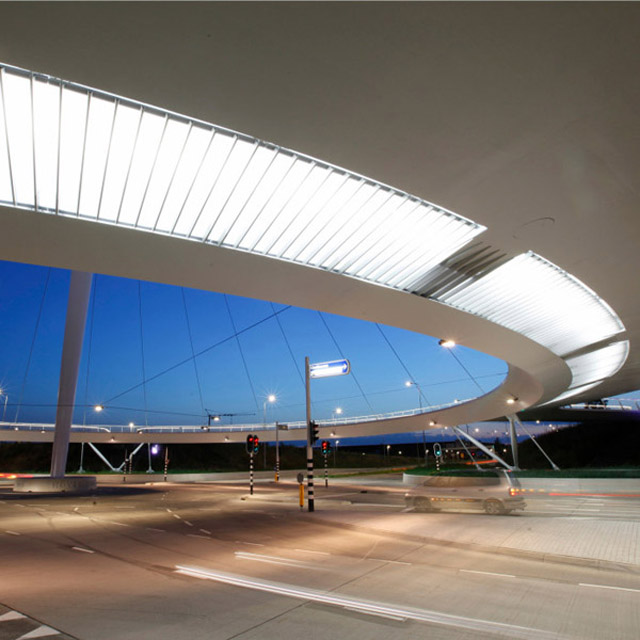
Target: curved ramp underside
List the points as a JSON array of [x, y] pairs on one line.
[[96, 182]]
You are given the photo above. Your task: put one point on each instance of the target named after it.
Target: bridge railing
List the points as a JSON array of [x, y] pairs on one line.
[[230, 428]]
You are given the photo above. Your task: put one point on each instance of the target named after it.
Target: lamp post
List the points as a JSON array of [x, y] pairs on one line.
[[413, 383], [336, 412], [270, 400], [6, 398]]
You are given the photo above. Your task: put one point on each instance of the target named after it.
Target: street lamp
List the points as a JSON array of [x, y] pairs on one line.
[[337, 412], [270, 400], [335, 453], [413, 383], [6, 398]]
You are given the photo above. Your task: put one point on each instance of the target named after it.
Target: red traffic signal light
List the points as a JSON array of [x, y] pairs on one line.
[[253, 444]]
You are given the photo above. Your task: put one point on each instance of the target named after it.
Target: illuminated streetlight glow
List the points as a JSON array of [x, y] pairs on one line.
[[446, 343], [98, 408]]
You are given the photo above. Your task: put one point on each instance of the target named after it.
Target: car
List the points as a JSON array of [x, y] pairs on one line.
[[497, 492]]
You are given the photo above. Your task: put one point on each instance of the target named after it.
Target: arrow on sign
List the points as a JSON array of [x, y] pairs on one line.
[[328, 369]]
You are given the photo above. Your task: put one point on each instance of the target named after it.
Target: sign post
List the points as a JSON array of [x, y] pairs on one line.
[[318, 370]]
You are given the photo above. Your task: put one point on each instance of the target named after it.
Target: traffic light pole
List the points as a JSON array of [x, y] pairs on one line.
[[326, 471], [309, 438], [251, 473]]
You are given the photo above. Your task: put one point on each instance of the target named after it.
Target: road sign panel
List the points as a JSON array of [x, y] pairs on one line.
[[328, 369]]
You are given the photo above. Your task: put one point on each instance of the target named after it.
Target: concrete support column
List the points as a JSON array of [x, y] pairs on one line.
[[77, 305], [514, 440]]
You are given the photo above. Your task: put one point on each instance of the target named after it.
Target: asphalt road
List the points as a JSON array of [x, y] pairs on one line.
[[199, 561]]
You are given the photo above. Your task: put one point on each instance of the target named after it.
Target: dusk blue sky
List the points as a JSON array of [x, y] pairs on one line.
[[112, 364], [274, 339]]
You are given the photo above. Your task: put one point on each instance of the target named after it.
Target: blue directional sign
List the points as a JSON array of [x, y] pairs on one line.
[[328, 369]]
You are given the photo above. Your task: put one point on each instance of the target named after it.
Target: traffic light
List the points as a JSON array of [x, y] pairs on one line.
[[253, 444], [325, 447], [315, 432]]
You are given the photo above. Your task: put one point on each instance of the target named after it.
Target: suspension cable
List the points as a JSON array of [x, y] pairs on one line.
[[286, 340], [33, 342], [244, 362], [144, 376], [466, 371], [335, 342], [193, 353], [198, 354], [93, 312], [404, 366]]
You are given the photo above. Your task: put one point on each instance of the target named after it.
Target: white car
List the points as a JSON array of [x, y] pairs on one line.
[[496, 492]]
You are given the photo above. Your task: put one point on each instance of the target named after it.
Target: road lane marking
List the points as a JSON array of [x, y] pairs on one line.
[[605, 586], [156, 530], [13, 533], [487, 573], [175, 515], [205, 531], [298, 564], [373, 608], [189, 524], [391, 561], [11, 615], [121, 524], [319, 553], [82, 549], [254, 544], [197, 535]]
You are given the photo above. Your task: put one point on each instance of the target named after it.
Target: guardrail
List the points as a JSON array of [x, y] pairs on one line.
[[298, 424]]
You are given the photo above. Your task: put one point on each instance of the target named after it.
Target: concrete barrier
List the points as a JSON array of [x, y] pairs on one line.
[[68, 484]]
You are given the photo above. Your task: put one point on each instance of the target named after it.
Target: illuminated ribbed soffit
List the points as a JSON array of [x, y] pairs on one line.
[[78, 152]]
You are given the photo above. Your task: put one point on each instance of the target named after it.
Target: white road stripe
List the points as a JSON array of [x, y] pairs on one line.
[[604, 586], [11, 615], [82, 549], [319, 553], [374, 608], [487, 573], [205, 531], [13, 533], [242, 555], [156, 530], [189, 524], [197, 535]]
